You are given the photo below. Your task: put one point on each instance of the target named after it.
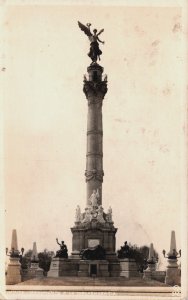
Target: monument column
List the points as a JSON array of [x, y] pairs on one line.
[[95, 89]]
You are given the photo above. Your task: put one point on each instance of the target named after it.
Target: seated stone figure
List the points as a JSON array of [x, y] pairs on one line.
[[63, 252], [124, 252], [87, 215], [97, 252], [100, 217]]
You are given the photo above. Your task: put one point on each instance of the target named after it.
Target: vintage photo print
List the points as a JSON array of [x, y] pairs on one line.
[[94, 149]]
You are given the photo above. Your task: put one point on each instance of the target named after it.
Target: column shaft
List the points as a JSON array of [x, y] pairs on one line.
[[95, 90]]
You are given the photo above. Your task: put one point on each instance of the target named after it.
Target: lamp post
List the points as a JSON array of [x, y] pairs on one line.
[[14, 253]]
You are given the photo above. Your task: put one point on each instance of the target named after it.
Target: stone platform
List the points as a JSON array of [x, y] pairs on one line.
[[62, 267], [90, 292], [89, 281]]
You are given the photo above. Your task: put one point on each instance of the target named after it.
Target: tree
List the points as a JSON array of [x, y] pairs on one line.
[[140, 254], [26, 260], [45, 259]]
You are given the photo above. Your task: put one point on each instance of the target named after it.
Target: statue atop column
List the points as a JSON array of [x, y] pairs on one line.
[[94, 52]]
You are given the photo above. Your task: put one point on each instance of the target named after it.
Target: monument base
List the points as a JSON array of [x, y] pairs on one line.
[[93, 268], [63, 267], [172, 273], [159, 275], [148, 273], [83, 268], [114, 268], [13, 271], [35, 271], [128, 268]]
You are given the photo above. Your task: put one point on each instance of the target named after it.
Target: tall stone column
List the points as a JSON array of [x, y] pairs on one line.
[[95, 89]]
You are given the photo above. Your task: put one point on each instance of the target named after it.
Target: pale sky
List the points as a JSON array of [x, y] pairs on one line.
[[45, 115]]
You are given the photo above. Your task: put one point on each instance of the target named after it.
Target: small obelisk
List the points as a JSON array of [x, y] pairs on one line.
[[172, 271], [35, 270], [151, 262], [34, 256], [172, 251], [14, 242], [14, 266]]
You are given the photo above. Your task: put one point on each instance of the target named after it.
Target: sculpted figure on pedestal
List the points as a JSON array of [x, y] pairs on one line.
[[78, 214], [63, 252], [92, 253], [87, 217], [94, 198], [94, 52], [109, 214], [100, 217]]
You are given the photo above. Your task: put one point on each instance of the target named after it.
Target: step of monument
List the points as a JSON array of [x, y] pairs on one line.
[[69, 280], [90, 281]]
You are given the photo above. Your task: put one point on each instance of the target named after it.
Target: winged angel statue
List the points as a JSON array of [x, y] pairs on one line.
[[94, 52]]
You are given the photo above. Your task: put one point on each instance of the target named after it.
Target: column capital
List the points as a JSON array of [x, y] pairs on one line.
[[95, 91]]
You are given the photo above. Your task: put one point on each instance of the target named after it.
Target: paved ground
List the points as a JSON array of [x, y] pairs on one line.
[[88, 281]]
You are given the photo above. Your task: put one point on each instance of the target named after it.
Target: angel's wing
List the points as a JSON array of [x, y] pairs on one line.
[[100, 32], [85, 29]]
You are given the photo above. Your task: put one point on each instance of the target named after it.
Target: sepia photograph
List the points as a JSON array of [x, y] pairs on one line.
[[94, 149]]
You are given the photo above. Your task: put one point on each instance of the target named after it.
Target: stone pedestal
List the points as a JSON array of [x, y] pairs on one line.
[[114, 268], [55, 267], [63, 267], [93, 268], [128, 268], [104, 233], [83, 268], [172, 273], [159, 276], [148, 273], [103, 267], [13, 271], [35, 271]]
